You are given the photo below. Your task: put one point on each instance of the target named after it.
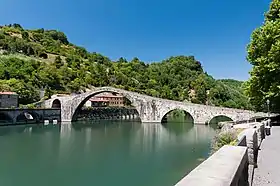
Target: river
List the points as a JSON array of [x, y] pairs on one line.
[[102, 154]]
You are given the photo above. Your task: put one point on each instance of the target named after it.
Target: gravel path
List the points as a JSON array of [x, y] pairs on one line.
[[268, 171]]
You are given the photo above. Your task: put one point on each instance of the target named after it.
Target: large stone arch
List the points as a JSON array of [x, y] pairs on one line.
[[214, 115], [234, 114], [165, 109], [168, 112], [71, 104], [225, 118]]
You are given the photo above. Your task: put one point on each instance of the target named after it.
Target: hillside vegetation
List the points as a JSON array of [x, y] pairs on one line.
[[34, 60]]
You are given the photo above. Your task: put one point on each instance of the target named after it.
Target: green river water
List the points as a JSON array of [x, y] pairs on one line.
[[101, 154]]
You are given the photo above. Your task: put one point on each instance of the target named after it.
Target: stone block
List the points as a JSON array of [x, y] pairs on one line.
[[267, 130], [252, 144], [242, 141], [260, 129], [46, 122]]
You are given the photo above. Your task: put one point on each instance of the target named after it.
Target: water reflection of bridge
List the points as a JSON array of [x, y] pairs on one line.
[[153, 137], [138, 137]]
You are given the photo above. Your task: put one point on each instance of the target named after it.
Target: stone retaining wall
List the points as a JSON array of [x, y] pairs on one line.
[[13, 116], [255, 133], [228, 166], [252, 144]]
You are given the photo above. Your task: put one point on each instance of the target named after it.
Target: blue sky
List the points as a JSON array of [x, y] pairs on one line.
[[216, 32]]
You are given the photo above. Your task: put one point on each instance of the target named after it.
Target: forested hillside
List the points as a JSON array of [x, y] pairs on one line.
[[33, 60]]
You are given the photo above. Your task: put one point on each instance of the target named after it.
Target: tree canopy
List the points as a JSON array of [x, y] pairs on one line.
[[264, 55]]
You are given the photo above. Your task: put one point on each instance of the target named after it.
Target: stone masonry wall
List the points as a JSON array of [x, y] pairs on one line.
[[8, 101]]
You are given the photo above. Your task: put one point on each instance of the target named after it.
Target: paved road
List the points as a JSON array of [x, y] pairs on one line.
[[268, 171]]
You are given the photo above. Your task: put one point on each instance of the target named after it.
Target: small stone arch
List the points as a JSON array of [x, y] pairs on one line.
[[5, 118], [219, 118], [56, 104], [187, 115], [27, 117], [80, 100], [43, 56]]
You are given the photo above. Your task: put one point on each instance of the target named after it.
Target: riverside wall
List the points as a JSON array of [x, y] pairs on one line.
[[28, 116], [230, 165]]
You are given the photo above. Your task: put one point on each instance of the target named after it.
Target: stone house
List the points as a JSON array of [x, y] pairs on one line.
[[106, 100], [8, 99]]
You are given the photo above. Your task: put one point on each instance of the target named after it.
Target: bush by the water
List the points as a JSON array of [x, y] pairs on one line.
[[228, 137]]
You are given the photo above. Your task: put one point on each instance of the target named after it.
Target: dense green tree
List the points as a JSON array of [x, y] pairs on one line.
[[16, 25], [264, 55], [25, 35], [27, 93], [57, 35], [58, 62]]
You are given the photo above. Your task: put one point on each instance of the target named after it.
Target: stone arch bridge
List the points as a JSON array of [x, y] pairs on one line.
[[150, 109]]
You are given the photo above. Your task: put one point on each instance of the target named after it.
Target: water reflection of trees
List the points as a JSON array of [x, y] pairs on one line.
[[157, 137], [178, 128]]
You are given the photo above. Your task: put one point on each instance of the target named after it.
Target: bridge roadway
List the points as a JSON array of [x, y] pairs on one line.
[[150, 109]]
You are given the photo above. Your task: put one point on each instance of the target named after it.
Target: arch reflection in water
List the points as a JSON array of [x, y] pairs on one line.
[[88, 153]]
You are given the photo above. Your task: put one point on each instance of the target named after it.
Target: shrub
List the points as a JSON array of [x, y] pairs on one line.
[[25, 35], [31, 106], [224, 138]]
